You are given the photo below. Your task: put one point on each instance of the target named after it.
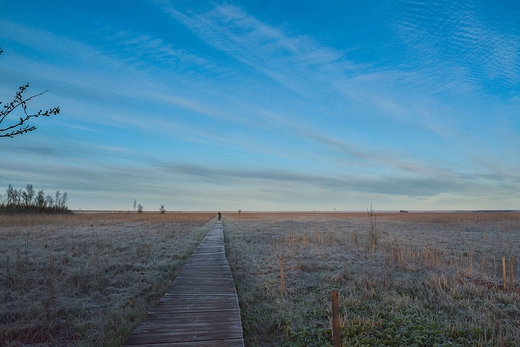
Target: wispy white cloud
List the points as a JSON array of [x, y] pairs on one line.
[[303, 66], [90, 92], [282, 57], [140, 48], [457, 34]]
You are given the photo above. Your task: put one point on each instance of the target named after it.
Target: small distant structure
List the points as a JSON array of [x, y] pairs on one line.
[[403, 211]]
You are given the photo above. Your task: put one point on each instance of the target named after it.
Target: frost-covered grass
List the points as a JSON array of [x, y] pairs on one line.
[[430, 279], [88, 279]]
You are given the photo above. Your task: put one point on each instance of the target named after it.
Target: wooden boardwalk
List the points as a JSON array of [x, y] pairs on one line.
[[201, 308]]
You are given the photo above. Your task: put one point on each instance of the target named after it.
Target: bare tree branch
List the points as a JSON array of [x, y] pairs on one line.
[[21, 127]]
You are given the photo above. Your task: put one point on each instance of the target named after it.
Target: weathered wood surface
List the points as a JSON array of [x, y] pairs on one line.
[[201, 308]]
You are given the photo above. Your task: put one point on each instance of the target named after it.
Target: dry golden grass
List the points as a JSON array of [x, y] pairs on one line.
[[102, 217], [293, 215], [431, 279], [88, 279], [438, 217]]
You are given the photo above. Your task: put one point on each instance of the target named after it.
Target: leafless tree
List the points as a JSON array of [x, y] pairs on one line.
[[63, 203], [11, 127], [30, 193], [27, 201], [40, 200]]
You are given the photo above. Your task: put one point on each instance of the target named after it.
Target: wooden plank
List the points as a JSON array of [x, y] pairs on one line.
[[201, 308], [201, 290], [195, 316], [213, 343], [185, 322], [166, 337], [181, 303]]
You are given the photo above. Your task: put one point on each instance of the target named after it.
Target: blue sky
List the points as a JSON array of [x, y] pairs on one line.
[[259, 105]]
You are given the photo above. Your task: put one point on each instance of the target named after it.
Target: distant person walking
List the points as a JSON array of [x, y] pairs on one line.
[[219, 215]]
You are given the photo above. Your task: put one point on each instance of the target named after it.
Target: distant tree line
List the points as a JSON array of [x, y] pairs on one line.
[[29, 200]]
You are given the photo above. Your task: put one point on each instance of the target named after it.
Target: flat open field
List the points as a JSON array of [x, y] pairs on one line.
[[415, 279], [404, 279], [88, 279]]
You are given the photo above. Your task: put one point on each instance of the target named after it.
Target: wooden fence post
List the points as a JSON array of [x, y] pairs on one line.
[[335, 319], [282, 277], [504, 271]]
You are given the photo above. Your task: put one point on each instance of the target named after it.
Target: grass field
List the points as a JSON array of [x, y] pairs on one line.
[[88, 279], [404, 279]]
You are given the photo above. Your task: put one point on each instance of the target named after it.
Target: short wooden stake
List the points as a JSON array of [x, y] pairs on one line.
[[511, 273], [335, 319], [504, 270], [282, 277]]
